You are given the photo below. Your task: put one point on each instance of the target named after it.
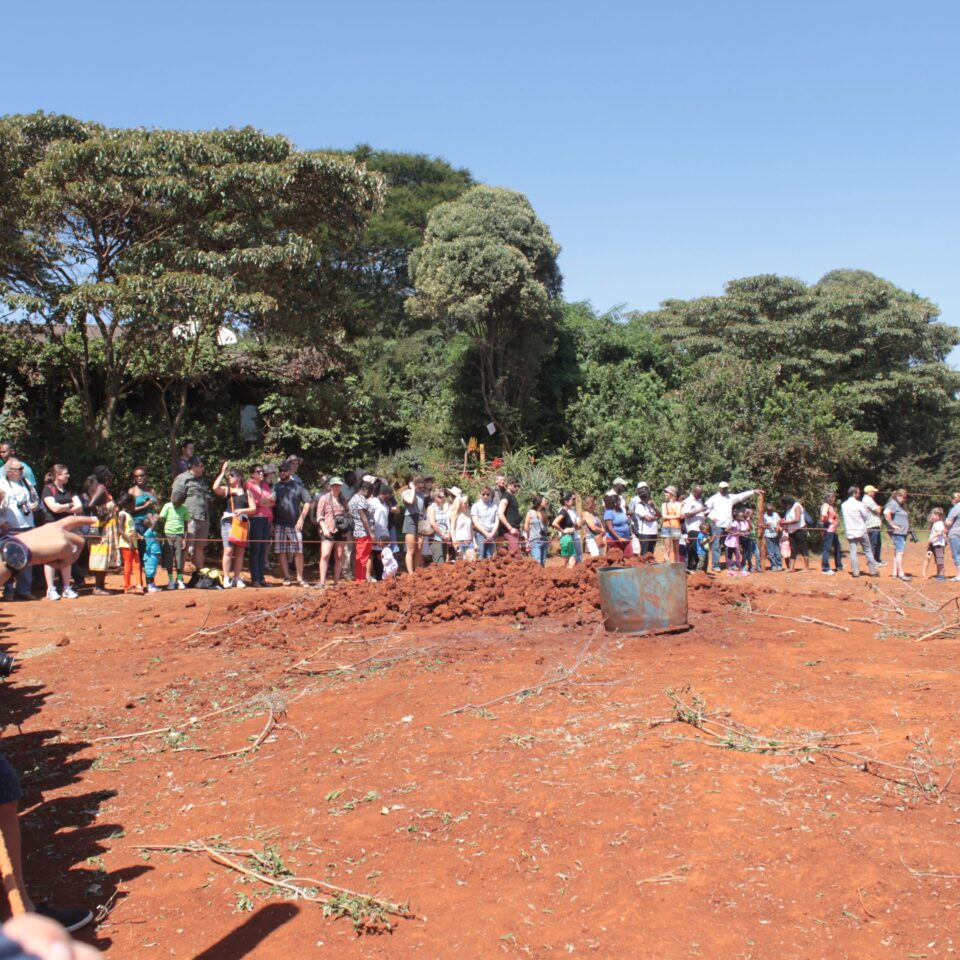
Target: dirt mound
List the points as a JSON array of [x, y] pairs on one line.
[[506, 586]]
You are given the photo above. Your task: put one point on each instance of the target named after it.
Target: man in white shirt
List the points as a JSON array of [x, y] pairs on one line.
[[484, 516], [692, 511], [720, 513], [855, 518]]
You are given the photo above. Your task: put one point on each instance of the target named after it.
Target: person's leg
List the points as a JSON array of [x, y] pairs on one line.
[[238, 553], [825, 553], [227, 567], [854, 564], [955, 553], [362, 555], [283, 559], [337, 560], [875, 537], [201, 534], [125, 553], [715, 550], [326, 547], [25, 582], [12, 865], [773, 553], [410, 551], [178, 559], [538, 551]]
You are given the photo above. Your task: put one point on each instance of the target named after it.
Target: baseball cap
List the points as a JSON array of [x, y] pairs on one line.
[[620, 480], [869, 488], [723, 485], [336, 480], [643, 485]]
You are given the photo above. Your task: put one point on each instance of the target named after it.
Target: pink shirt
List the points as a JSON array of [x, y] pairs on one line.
[[258, 490]]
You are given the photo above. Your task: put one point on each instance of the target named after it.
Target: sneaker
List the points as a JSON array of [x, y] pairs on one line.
[[286, 583], [940, 578], [152, 588], [956, 579], [828, 573], [227, 583], [53, 594], [744, 573], [172, 585], [181, 585], [70, 594], [239, 584], [70, 920]]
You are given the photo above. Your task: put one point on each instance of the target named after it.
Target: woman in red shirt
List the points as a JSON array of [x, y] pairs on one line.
[[261, 522]]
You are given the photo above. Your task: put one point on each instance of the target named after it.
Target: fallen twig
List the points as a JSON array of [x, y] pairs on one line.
[[930, 873], [933, 633], [369, 911], [803, 618]]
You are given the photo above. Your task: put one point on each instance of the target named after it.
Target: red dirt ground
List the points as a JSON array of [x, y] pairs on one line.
[[550, 818]]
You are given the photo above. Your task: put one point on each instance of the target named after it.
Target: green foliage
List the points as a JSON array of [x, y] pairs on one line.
[[488, 268], [121, 238]]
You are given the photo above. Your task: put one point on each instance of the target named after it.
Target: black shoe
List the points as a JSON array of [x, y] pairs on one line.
[[70, 920]]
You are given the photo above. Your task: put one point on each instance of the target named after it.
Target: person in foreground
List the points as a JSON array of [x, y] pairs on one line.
[[32, 937], [53, 543]]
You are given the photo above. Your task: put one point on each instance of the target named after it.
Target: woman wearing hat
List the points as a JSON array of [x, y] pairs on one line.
[[670, 511], [333, 523]]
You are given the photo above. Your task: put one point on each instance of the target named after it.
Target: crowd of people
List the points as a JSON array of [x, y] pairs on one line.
[[369, 528]]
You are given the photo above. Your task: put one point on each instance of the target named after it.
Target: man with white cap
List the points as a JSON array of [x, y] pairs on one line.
[[720, 513], [693, 511], [619, 485], [875, 522]]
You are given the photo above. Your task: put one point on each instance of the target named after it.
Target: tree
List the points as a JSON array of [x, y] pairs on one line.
[[880, 345], [488, 268], [120, 236]]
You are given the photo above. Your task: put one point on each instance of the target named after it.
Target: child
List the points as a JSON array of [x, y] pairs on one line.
[[771, 537], [748, 544], [702, 546], [173, 522], [732, 544], [132, 574], [152, 551], [785, 552], [938, 540]]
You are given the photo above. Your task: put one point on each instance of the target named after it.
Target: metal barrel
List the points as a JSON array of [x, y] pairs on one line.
[[643, 599]]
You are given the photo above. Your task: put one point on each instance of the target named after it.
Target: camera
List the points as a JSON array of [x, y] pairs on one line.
[[6, 665]]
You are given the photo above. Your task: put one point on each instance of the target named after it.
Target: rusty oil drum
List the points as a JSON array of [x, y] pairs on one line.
[[644, 599]]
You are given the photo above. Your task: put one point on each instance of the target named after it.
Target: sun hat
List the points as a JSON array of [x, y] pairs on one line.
[[670, 489], [456, 491], [619, 480]]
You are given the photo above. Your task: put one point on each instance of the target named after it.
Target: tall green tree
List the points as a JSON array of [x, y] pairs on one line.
[[488, 268], [116, 238]]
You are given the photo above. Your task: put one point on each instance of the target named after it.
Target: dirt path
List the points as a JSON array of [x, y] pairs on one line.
[[558, 820]]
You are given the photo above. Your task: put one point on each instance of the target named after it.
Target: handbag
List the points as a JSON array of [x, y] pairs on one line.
[[99, 554], [239, 529]]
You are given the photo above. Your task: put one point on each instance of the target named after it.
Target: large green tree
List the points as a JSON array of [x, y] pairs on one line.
[[115, 239], [881, 346], [488, 269]]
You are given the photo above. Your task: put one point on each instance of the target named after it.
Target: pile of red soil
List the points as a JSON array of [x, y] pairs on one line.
[[506, 586]]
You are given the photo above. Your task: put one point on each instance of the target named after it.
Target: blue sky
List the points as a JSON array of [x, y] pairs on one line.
[[670, 147]]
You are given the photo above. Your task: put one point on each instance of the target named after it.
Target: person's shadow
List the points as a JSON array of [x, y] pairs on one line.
[[60, 840], [249, 935]]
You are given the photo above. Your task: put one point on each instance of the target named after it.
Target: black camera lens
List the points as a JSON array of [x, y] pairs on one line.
[[6, 665]]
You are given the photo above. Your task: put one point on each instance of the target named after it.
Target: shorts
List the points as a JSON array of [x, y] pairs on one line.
[[225, 525], [10, 790], [670, 533], [287, 540], [198, 531], [899, 542], [339, 537], [567, 546], [409, 526], [798, 543]]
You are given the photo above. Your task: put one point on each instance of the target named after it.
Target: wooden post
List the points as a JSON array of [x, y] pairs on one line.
[[762, 540]]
